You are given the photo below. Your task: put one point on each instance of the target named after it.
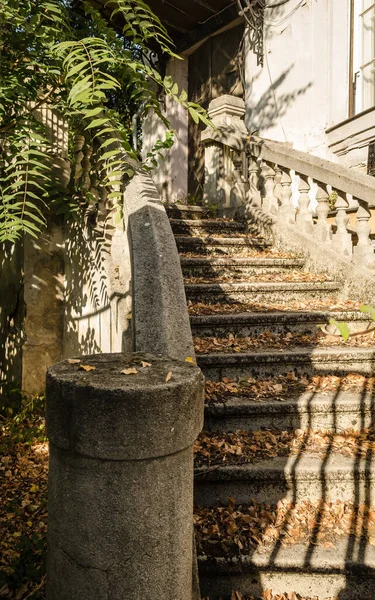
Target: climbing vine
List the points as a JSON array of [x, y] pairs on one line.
[[92, 68]]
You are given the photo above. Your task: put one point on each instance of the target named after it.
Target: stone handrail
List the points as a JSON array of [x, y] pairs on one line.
[[292, 188], [340, 178], [160, 319], [276, 170]]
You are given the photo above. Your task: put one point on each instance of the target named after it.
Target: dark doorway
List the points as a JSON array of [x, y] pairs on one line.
[[214, 69]]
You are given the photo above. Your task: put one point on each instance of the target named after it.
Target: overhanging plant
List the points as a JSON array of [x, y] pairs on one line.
[[89, 67]]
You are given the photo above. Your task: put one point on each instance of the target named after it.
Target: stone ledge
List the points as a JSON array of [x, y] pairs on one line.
[[331, 411], [238, 261], [277, 317], [295, 477], [262, 286], [306, 569]]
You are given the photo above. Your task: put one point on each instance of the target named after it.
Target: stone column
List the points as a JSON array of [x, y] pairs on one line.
[[228, 132], [121, 477]]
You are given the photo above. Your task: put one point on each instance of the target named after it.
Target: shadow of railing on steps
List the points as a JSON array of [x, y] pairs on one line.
[[348, 557]]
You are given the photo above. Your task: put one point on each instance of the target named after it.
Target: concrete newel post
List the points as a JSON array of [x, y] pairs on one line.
[[121, 477]]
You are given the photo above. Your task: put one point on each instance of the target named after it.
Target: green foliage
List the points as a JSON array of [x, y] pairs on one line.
[[25, 420], [64, 55], [368, 309], [342, 328]]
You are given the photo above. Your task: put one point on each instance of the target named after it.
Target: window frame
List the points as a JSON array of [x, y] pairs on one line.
[[356, 41]]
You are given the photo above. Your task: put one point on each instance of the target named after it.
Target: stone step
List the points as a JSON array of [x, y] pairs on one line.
[[302, 360], [296, 477], [203, 226], [332, 411], [255, 323], [281, 292], [206, 266], [345, 572], [220, 245], [185, 211]]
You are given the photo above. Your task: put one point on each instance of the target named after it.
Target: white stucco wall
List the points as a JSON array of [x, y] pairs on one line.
[[170, 176], [303, 87]]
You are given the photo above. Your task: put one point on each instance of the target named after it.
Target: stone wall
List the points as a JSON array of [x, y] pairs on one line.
[[77, 294]]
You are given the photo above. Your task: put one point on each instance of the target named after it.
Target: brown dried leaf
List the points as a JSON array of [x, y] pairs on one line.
[[87, 368], [129, 371], [73, 361], [168, 377]]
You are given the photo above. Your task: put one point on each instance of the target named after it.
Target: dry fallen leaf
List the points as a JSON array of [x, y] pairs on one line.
[[130, 371], [168, 377], [191, 360], [87, 368], [371, 535], [73, 361], [145, 364]]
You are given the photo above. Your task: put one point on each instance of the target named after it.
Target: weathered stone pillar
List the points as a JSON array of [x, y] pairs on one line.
[[226, 113], [121, 477]]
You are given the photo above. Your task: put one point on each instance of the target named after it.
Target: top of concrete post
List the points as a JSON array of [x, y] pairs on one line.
[[227, 108], [226, 113], [124, 406]]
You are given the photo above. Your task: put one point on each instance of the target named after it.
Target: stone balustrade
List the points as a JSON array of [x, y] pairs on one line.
[[323, 187], [312, 194]]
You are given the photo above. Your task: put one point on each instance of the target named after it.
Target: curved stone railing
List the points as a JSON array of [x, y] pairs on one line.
[[160, 321]]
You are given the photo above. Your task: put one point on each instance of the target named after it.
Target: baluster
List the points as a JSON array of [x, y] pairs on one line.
[[287, 210], [304, 217], [238, 192], [323, 228], [270, 203], [364, 250], [254, 193], [213, 192], [342, 239], [278, 189]]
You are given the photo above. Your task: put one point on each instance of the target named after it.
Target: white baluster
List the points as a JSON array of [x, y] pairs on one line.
[[342, 239], [270, 203], [213, 192], [287, 210], [278, 189], [240, 184], [254, 193], [304, 218], [364, 250], [323, 228]]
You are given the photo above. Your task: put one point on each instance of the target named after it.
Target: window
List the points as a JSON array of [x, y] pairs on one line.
[[363, 56]]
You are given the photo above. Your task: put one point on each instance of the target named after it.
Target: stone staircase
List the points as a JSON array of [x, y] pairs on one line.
[[284, 476]]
